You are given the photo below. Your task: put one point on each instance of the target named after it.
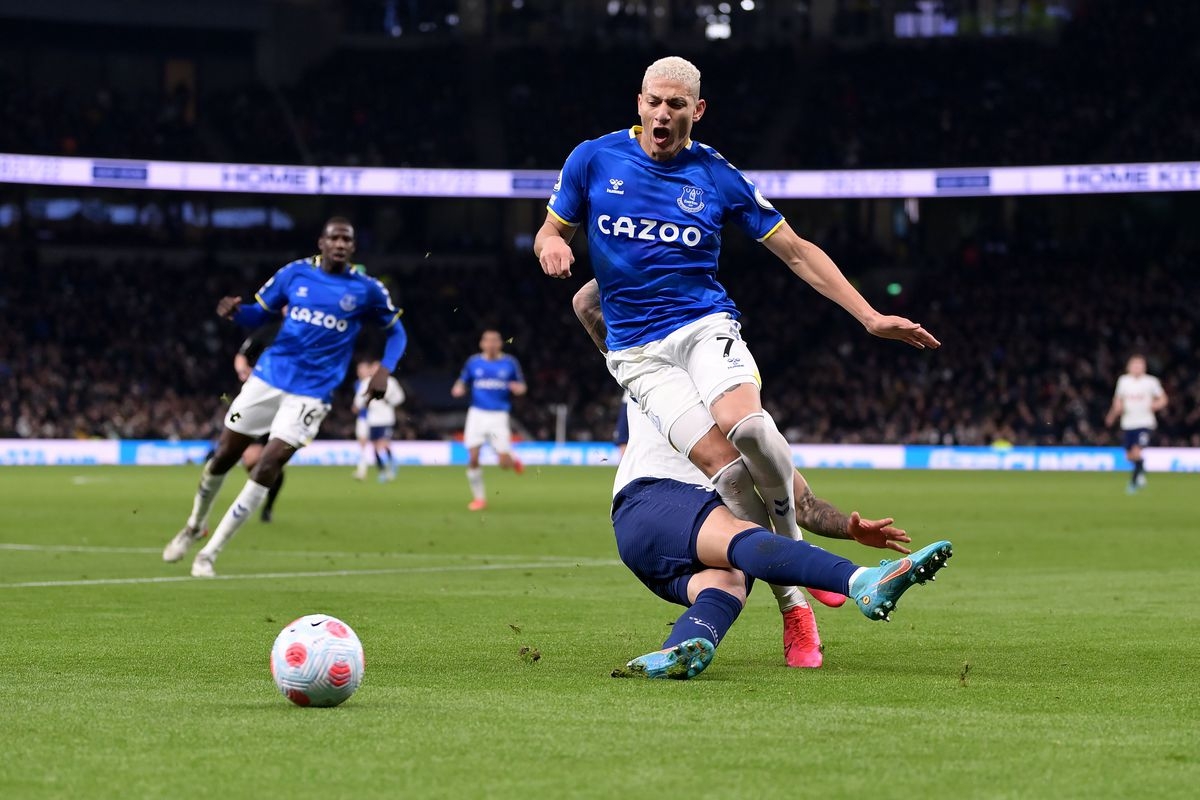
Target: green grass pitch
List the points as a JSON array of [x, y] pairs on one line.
[[1056, 657]]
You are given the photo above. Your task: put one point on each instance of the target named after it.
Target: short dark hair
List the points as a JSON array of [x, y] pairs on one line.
[[337, 221]]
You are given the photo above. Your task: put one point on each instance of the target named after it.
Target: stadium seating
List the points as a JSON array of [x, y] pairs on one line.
[[130, 348]]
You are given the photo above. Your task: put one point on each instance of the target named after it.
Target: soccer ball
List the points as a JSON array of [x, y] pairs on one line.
[[317, 661]]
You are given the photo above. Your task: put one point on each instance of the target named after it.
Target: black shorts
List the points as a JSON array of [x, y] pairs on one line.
[[1136, 437], [656, 522]]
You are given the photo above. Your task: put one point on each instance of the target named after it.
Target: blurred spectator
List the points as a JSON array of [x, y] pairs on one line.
[[1116, 84], [1033, 339]]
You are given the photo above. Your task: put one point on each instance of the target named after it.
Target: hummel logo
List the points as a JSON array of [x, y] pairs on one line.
[[781, 508], [616, 184], [302, 291]]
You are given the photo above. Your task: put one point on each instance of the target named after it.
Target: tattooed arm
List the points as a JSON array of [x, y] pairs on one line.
[[823, 518], [819, 516], [586, 303]]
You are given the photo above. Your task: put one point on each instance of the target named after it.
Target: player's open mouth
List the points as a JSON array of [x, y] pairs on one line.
[[661, 135]]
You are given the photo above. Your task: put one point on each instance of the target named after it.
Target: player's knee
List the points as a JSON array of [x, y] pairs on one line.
[[751, 435], [271, 461], [730, 581], [223, 460], [733, 479]]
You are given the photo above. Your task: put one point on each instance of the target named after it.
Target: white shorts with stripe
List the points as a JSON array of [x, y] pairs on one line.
[[487, 427], [690, 367], [261, 408]]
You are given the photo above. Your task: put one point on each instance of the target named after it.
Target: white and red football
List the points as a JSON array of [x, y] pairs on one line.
[[317, 661]]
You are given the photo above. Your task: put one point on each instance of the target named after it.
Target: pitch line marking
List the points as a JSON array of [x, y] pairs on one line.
[[335, 573], [84, 548]]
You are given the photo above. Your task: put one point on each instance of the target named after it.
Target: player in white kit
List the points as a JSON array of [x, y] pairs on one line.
[[720, 465], [375, 423], [1137, 399]]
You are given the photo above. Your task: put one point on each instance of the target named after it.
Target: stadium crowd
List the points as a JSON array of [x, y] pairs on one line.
[[1098, 93], [1034, 338]]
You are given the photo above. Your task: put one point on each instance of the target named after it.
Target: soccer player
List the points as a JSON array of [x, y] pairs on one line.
[[677, 536], [494, 378], [376, 419], [288, 395], [721, 464], [1137, 399], [654, 203], [243, 364]]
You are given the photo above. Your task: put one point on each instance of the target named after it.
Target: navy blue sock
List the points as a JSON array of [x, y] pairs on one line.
[[784, 562], [708, 618], [1138, 467], [379, 459]]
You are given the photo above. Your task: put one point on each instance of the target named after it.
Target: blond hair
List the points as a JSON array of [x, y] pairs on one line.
[[674, 68]]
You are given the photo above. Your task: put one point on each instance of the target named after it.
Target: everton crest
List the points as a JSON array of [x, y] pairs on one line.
[[691, 200]]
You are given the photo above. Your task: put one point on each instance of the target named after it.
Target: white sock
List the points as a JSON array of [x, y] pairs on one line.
[[365, 456], [247, 502], [769, 459], [788, 597], [736, 487], [475, 479], [206, 493], [853, 577]]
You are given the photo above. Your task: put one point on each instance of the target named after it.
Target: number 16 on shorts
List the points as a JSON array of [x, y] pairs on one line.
[[299, 419]]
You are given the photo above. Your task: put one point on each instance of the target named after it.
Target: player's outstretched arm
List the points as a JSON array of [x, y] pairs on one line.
[[586, 304], [1114, 411], [248, 315], [824, 519], [227, 307], [817, 269], [552, 246]]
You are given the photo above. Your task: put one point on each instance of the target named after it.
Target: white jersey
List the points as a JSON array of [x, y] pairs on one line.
[[650, 455], [381, 413], [1137, 395]]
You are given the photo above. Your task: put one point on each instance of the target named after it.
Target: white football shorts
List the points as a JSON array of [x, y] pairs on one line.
[[261, 408], [487, 427], [690, 367]]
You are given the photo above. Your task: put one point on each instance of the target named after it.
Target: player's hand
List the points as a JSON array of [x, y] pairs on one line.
[[556, 258], [902, 330], [878, 533], [228, 306], [377, 387]]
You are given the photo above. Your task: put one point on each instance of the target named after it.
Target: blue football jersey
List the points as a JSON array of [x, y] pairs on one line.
[[324, 313], [654, 230], [489, 381]]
